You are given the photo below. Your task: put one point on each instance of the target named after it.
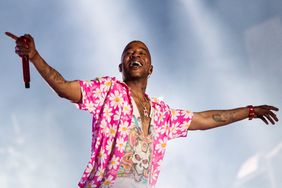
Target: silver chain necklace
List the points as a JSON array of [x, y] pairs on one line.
[[145, 110]]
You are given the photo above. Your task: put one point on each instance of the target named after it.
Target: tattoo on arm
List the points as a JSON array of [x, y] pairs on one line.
[[217, 118], [224, 117], [51, 74]]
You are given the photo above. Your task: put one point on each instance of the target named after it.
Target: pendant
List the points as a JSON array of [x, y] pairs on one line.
[[146, 113]]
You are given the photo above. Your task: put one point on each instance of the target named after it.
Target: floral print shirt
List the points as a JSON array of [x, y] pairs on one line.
[[109, 101]]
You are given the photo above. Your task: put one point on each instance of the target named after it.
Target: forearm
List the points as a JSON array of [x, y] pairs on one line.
[[52, 77], [217, 118]]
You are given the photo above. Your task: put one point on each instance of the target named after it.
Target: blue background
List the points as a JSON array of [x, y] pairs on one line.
[[207, 54]]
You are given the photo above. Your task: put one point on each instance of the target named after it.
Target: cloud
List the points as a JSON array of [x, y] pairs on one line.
[[200, 60]]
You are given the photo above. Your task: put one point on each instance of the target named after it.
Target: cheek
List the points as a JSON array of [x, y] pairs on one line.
[[124, 59], [148, 62], [147, 59]]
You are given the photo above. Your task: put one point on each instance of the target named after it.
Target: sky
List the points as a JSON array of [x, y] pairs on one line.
[[207, 54]]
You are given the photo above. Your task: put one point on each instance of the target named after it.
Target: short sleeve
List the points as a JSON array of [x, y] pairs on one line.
[[179, 123], [94, 93]]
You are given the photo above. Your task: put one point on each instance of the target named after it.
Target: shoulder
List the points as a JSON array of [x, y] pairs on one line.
[[159, 103], [111, 84], [99, 82], [105, 79]]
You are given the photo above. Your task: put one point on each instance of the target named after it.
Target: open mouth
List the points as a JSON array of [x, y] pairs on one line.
[[135, 64]]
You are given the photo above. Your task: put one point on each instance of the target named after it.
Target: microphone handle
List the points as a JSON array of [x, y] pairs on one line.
[[26, 75]]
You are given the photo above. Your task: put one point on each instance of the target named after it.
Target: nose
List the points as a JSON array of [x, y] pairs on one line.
[[135, 54]]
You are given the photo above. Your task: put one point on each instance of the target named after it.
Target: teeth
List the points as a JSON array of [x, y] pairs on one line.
[[135, 63]]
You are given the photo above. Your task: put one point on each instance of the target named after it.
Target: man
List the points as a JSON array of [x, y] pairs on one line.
[[130, 130]]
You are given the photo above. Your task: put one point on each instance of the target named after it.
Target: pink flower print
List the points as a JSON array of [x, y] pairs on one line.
[[108, 181], [161, 146], [102, 156], [124, 128], [100, 173], [174, 114], [126, 108], [121, 144], [111, 131], [89, 106], [116, 99], [107, 113], [114, 162], [109, 146]]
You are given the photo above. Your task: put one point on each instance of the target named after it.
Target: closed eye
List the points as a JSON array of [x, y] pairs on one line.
[[129, 52]]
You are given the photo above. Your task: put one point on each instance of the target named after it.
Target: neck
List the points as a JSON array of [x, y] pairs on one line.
[[137, 86]]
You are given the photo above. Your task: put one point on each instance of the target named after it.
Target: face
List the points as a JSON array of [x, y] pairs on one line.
[[136, 61]]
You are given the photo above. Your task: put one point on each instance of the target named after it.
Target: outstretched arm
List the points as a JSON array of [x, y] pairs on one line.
[[216, 118], [66, 89]]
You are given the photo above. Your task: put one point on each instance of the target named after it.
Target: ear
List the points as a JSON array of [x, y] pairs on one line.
[[151, 69], [120, 67]]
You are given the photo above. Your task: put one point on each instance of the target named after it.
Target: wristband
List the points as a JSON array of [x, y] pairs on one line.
[[251, 112]]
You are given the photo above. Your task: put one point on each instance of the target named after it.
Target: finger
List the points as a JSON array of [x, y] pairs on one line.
[[270, 119], [22, 49], [11, 35], [273, 115], [21, 41], [270, 107], [274, 108], [22, 45], [263, 119], [21, 53], [29, 36]]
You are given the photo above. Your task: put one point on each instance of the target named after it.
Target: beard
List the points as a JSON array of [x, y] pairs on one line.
[[129, 75]]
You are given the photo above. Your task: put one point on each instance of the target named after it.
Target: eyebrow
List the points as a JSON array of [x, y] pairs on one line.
[[129, 48]]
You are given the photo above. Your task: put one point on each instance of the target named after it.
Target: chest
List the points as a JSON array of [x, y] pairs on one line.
[[143, 113]]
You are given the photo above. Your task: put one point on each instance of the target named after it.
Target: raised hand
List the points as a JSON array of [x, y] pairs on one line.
[[25, 45], [266, 114]]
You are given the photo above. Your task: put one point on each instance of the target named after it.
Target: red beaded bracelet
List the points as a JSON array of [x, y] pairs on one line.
[[251, 112]]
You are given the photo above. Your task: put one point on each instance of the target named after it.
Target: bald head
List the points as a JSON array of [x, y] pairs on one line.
[[134, 44]]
